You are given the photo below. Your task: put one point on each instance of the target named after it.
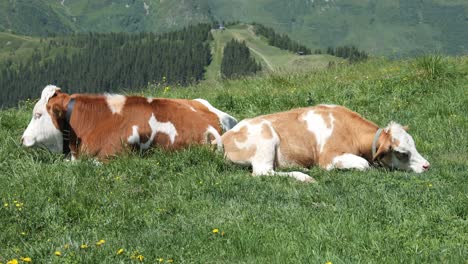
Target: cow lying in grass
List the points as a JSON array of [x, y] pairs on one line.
[[104, 125], [326, 135]]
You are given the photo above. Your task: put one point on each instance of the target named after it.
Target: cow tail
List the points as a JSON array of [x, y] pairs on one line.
[[213, 132]]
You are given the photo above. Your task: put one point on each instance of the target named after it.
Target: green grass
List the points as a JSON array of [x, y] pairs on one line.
[[165, 205]]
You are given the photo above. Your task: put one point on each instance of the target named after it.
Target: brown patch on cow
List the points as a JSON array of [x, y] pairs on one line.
[[57, 107], [266, 131], [297, 143], [385, 144], [164, 140], [242, 134], [232, 151]]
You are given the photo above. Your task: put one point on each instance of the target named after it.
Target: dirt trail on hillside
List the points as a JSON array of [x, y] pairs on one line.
[[268, 63]]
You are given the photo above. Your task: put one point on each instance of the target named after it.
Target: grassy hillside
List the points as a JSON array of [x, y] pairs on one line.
[[170, 205], [15, 46], [381, 27], [272, 58]]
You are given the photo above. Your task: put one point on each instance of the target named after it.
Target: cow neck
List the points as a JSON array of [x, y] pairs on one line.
[[375, 140], [366, 137], [68, 132]]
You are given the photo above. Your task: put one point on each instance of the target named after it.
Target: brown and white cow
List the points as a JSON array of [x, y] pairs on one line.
[[325, 135], [104, 125]]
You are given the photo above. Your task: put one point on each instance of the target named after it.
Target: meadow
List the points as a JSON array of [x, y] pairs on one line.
[[191, 206]]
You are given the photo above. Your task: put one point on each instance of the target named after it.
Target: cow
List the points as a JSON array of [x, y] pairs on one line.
[[105, 125], [330, 136]]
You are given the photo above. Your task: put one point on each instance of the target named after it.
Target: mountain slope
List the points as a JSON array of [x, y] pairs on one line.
[[381, 27], [11, 44], [272, 58]]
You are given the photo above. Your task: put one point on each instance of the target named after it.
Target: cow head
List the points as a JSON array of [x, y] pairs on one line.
[[44, 127], [397, 150]]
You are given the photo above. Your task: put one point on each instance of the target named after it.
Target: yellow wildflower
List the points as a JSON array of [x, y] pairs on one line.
[[5, 204], [430, 185], [170, 260], [13, 261], [26, 259], [329, 262], [215, 231], [100, 242], [58, 253], [140, 258], [66, 246], [160, 259], [23, 233], [120, 251], [84, 246]]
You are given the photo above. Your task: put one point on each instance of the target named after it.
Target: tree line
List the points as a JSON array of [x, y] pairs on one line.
[[348, 52], [237, 60], [97, 62], [281, 41]]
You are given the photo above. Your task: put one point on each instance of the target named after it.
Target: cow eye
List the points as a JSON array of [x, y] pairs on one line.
[[402, 155], [37, 115]]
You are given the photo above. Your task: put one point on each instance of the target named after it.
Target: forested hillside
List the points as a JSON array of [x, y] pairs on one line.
[[281, 41], [116, 62], [381, 27], [237, 60], [95, 62]]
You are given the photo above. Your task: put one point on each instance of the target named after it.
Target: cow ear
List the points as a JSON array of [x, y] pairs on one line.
[[385, 145], [57, 111]]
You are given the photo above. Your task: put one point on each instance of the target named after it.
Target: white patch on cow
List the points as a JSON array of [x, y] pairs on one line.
[[149, 100], [193, 109], [263, 159], [329, 105], [227, 122], [115, 102], [164, 127], [317, 125], [254, 134], [41, 131], [406, 148], [348, 161], [134, 138]]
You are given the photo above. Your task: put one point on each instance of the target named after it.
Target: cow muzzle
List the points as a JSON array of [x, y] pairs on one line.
[[27, 142]]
